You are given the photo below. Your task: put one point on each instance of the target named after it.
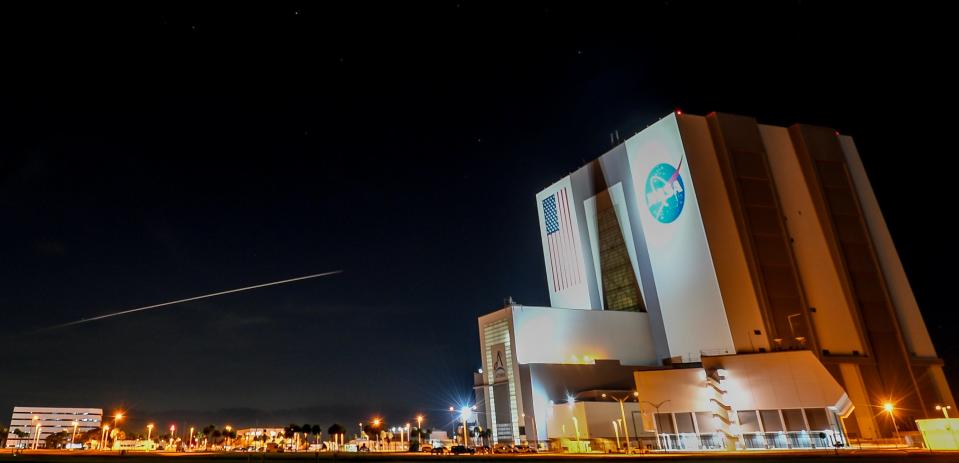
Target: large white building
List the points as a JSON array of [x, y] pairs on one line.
[[50, 420], [728, 248]]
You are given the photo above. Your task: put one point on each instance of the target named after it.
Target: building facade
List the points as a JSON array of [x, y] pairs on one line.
[[723, 245], [743, 237], [50, 420]]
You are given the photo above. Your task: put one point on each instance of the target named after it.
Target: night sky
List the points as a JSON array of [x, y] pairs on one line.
[[156, 152]]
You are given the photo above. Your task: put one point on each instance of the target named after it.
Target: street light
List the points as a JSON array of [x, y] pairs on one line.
[[465, 412], [616, 430], [103, 436], [375, 425], [889, 408], [622, 412], [655, 424], [73, 437], [945, 410], [117, 417], [229, 438], [36, 438], [419, 429], [149, 430], [172, 433]]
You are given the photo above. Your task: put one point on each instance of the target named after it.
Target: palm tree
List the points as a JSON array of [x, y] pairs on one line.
[[207, 432], [335, 430], [20, 435], [306, 429], [317, 432]]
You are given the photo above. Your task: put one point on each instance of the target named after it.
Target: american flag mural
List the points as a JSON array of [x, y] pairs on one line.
[[564, 266]]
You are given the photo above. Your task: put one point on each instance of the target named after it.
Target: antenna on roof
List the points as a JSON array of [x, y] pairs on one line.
[[614, 137]]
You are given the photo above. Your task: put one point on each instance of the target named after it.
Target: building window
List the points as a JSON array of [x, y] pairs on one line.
[[748, 421], [771, 420], [706, 422], [817, 419], [620, 289], [794, 420], [684, 423], [664, 423]]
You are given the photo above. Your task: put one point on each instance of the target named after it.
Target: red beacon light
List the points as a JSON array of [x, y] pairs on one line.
[[679, 112]]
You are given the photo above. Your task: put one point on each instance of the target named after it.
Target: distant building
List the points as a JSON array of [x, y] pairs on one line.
[[51, 420], [744, 275], [258, 437]]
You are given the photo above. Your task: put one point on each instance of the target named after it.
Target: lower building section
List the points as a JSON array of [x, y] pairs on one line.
[[601, 391], [32, 426], [748, 401]]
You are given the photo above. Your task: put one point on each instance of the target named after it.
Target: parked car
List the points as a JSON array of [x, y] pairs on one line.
[[502, 448], [461, 449], [272, 447], [426, 448], [438, 450], [524, 449]]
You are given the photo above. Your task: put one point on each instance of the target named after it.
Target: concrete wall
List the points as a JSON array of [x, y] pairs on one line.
[[571, 336]]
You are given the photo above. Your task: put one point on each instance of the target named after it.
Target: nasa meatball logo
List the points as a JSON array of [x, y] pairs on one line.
[[665, 192]]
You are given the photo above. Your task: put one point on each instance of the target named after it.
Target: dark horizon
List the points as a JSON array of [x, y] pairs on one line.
[[153, 153]]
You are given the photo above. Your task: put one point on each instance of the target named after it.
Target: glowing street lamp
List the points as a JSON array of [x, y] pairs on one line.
[[149, 430], [36, 437], [103, 435], [622, 412], [944, 409], [419, 428], [465, 413], [73, 437], [616, 430], [172, 432], [659, 443], [888, 407]]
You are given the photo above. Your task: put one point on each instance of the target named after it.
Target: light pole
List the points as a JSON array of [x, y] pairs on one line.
[[36, 437], [189, 442], [616, 430], [172, 433], [419, 429], [103, 435], [229, 430], [622, 412], [73, 437], [576, 427], [376, 426], [945, 410], [889, 408], [659, 444], [149, 430]]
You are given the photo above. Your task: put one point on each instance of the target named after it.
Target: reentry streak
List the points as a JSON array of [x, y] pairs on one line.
[[139, 309]]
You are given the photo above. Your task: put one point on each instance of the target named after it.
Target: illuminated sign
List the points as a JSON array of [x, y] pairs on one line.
[[499, 362], [665, 192]]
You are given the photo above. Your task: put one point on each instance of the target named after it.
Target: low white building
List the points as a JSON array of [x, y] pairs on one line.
[[747, 401], [50, 420]]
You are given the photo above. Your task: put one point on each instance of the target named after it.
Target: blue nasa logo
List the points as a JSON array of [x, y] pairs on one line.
[[665, 192]]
